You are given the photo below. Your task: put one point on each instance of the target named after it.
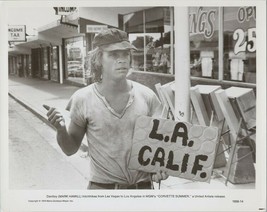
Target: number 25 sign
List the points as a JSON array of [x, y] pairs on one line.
[[243, 42], [179, 148]]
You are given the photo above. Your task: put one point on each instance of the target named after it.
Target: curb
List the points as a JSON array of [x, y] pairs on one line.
[[43, 118]]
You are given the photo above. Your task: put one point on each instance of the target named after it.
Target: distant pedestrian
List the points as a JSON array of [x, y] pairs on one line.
[[106, 112]]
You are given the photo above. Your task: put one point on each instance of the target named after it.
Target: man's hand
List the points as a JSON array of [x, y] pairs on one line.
[[160, 175], [55, 117]]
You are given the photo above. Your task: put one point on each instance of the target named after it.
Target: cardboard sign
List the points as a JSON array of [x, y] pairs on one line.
[[179, 148], [16, 33]]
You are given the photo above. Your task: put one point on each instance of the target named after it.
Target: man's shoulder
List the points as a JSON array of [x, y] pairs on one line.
[[84, 92], [142, 87], [143, 90]]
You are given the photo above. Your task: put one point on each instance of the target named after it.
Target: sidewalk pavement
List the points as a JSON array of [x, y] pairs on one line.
[[33, 93]]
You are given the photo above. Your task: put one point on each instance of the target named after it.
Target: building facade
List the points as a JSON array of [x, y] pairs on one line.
[[222, 45]]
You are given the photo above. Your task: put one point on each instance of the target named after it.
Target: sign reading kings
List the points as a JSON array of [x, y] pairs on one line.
[[202, 22]]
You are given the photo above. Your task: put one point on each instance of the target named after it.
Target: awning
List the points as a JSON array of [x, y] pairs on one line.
[[15, 50], [59, 30], [35, 42], [48, 35]]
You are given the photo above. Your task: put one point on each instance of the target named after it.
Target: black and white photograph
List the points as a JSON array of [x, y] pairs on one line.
[[134, 106]]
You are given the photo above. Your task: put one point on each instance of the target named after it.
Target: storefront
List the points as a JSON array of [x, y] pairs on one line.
[[223, 44], [149, 29], [151, 32], [12, 65], [45, 63], [19, 65], [42, 53]]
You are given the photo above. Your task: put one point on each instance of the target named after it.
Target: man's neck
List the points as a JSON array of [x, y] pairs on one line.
[[110, 87]]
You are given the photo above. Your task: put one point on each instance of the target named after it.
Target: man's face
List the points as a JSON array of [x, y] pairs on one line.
[[116, 64]]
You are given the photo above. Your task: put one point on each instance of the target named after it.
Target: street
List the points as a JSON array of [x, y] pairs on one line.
[[35, 159]]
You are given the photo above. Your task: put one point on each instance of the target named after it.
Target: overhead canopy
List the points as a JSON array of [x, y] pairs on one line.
[[59, 30], [15, 50], [35, 42], [48, 35]]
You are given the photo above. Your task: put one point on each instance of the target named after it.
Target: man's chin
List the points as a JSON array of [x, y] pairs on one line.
[[121, 75]]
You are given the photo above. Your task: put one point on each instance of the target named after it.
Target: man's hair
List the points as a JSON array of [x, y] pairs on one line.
[[96, 64]]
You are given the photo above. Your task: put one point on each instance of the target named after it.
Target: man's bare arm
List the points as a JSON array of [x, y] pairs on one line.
[[69, 140]]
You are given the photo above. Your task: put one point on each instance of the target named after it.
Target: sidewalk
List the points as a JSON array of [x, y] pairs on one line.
[[33, 93]]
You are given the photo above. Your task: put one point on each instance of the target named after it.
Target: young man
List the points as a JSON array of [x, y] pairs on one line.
[[106, 111]]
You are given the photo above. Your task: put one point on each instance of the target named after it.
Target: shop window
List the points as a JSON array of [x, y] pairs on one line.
[[239, 24], [150, 31], [30, 65], [74, 58], [45, 70], [54, 64], [203, 30]]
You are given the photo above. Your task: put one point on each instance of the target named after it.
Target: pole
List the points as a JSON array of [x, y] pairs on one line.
[[182, 65], [221, 45], [171, 39], [60, 49]]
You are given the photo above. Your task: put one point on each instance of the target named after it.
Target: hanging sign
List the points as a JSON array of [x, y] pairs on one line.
[[17, 33], [179, 148], [65, 10], [95, 28]]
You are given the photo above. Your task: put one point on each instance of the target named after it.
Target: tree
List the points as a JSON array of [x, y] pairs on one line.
[[139, 41]]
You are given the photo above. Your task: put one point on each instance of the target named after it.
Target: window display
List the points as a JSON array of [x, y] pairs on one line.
[[203, 29], [45, 70], [239, 25], [74, 58], [239, 43], [54, 63], [150, 32]]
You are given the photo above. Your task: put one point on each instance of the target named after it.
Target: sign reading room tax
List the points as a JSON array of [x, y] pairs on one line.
[[179, 148]]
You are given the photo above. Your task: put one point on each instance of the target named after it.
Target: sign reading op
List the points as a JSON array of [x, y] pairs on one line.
[[179, 148]]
